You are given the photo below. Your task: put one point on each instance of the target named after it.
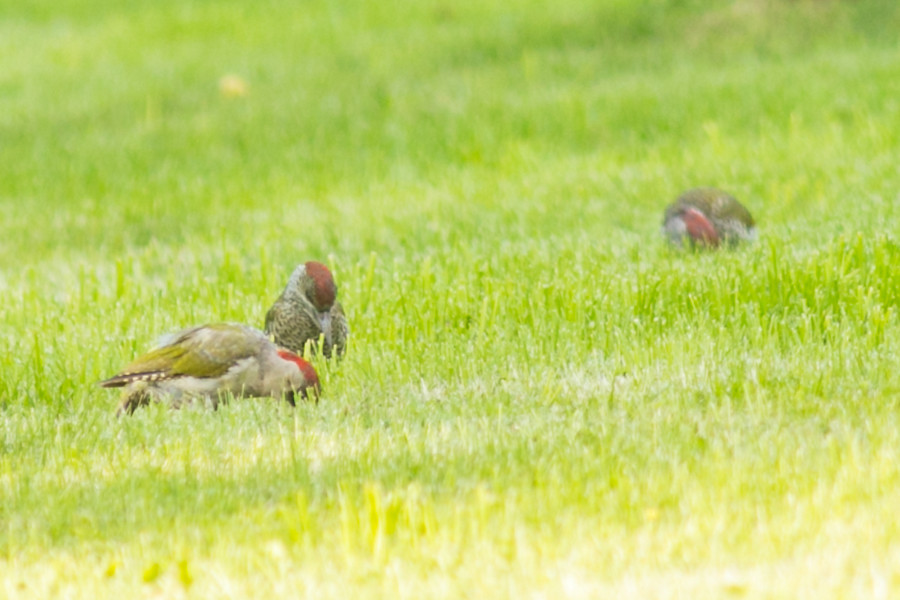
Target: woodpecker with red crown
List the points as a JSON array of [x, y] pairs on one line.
[[708, 218], [211, 363], [307, 310]]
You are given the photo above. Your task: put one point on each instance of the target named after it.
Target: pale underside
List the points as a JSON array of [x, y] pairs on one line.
[[243, 379]]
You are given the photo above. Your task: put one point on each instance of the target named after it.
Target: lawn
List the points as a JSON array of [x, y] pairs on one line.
[[539, 398]]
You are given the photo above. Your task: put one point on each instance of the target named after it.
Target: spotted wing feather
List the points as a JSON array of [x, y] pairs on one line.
[[199, 352]]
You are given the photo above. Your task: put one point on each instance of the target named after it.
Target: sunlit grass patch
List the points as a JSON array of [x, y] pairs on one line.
[[540, 398]]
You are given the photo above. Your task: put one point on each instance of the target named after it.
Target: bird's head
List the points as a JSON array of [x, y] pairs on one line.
[[314, 281], [698, 228], [305, 381]]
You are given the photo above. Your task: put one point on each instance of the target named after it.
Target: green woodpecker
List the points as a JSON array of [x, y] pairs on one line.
[[211, 362], [306, 310], [708, 217]]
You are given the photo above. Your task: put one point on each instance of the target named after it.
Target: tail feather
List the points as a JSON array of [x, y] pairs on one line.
[[123, 379]]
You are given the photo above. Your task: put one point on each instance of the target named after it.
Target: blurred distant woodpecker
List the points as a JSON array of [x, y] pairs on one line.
[[306, 310], [210, 363], [708, 217]]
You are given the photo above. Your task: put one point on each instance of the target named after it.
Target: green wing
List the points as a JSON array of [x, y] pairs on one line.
[[207, 351], [339, 328], [717, 204]]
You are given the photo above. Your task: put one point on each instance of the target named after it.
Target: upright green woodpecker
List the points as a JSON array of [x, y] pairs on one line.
[[306, 310]]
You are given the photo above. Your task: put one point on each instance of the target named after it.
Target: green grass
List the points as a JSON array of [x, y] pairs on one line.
[[540, 398]]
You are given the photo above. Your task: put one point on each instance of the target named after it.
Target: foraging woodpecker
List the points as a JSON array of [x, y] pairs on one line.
[[210, 362], [708, 217], [307, 309]]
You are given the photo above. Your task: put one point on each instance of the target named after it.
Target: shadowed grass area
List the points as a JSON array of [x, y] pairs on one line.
[[539, 396]]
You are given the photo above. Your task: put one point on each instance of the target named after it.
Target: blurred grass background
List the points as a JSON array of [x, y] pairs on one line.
[[540, 397]]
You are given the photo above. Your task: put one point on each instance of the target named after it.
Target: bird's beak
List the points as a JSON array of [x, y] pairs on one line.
[[325, 324]]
